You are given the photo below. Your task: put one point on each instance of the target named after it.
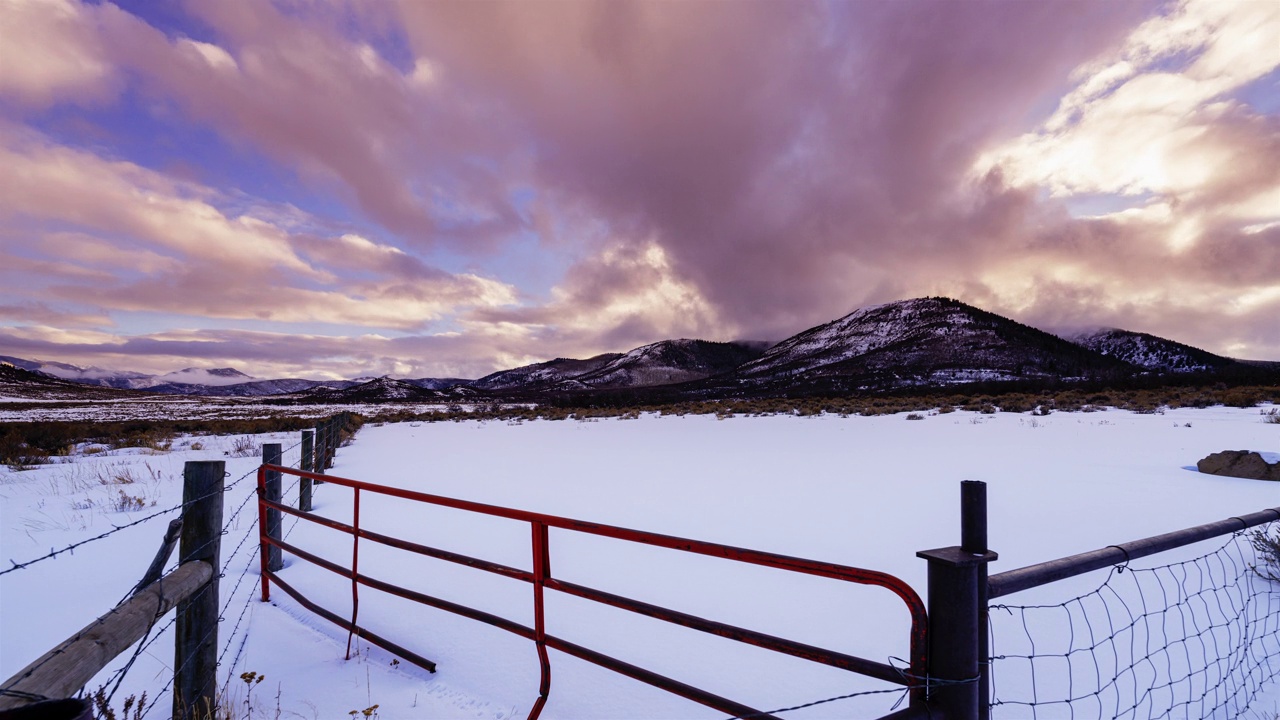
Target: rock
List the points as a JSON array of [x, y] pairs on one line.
[[1241, 464]]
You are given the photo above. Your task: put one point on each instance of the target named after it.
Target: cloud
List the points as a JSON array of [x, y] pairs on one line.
[[625, 296], [792, 160], [272, 355], [1138, 124], [707, 169], [49, 52], [1196, 255], [144, 242], [36, 313]]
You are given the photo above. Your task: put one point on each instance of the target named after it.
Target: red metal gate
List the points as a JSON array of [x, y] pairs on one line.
[[542, 580]]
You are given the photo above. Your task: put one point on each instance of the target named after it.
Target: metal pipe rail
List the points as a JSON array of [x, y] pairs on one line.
[[1012, 581], [541, 578]]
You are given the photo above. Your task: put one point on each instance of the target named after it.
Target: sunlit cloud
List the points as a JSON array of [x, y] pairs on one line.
[[1157, 118], [453, 188], [50, 52]]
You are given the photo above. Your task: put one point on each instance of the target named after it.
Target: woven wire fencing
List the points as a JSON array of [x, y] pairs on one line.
[[1197, 638]]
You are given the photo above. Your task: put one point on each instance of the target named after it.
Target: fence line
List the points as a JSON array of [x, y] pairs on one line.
[[135, 621]]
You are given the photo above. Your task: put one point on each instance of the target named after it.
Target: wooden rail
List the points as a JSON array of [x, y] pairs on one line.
[[66, 668]]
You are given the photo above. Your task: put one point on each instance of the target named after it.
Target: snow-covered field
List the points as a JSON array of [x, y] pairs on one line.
[[866, 492]]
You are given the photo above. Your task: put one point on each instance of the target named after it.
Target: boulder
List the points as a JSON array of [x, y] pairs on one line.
[[1241, 464]]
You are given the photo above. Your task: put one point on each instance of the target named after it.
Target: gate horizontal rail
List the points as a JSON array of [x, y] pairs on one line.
[[541, 579], [1012, 581]]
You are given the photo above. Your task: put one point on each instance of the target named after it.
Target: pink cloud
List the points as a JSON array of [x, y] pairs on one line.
[[789, 161]]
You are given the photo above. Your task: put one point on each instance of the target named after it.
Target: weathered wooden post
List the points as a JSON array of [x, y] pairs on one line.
[[195, 683], [271, 455], [957, 606], [304, 485]]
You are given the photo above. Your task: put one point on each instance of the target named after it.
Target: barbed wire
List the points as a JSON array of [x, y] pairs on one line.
[[1195, 638], [118, 676], [72, 547], [766, 713], [221, 617], [117, 528]]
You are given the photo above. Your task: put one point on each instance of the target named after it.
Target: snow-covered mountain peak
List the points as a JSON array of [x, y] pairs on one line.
[[1149, 352], [214, 377], [925, 341], [862, 331]]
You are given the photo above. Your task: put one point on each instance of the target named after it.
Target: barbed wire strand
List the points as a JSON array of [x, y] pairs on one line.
[[143, 643]]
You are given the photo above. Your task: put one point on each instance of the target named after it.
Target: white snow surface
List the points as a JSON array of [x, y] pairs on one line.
[[867, 492]]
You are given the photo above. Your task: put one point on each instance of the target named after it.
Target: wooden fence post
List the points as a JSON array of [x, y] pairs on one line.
[[195, 683], [271, 455], [304, 485]]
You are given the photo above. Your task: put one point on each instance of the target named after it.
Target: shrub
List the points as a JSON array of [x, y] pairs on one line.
[[125, 502], [1268, 549], [244, 446], [915, 416]]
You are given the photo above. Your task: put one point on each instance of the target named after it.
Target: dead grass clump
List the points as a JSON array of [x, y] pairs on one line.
[[244, 446]]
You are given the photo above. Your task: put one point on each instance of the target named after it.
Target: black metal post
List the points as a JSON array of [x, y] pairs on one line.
[[957, 608], [271, 455], [195, 665], [304, 484]]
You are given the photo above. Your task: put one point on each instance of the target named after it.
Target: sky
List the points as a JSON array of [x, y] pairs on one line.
[[330, 188]]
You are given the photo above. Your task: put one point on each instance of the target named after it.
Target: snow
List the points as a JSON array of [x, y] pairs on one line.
[[867, 492]]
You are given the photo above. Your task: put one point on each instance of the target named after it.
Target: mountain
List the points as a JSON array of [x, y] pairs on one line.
[[927, 341], [18, 383], [543, 374], [215, 382], [90, 376], [199, 376], [669, 362], [1149, 352], [385, 389], [439, 383]]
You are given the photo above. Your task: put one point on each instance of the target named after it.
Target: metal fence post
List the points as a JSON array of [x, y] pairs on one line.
[[195, 683], [304, 484], [271, 455], [957, 609]]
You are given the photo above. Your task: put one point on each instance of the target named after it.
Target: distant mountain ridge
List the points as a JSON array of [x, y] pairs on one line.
[[926, 341], [1149, 352], [923, 342], [17, 382], [543, 374], [666, 362]]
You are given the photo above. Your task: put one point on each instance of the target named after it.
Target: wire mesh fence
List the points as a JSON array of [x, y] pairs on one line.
[[1195, 638]]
